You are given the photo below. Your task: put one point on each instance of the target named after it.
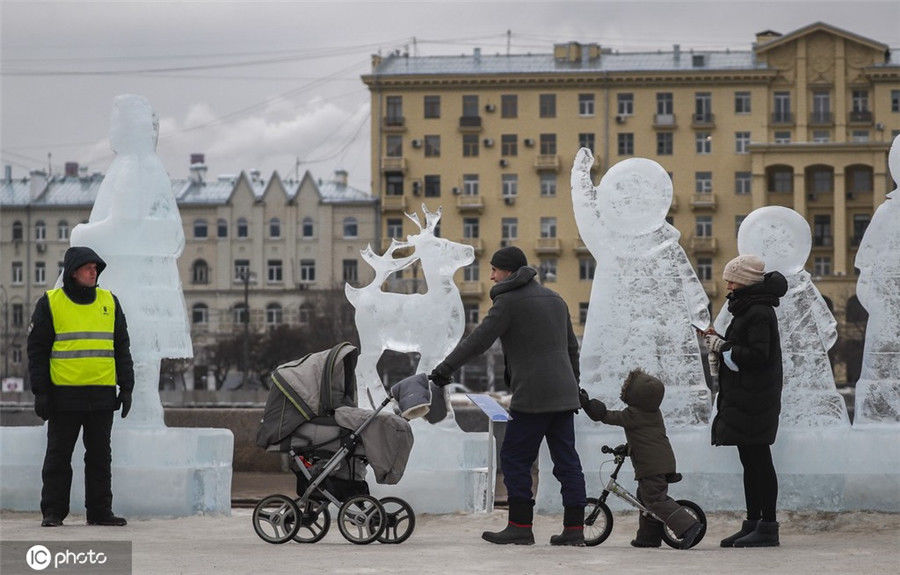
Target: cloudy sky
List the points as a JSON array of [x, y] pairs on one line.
[[263, 85]]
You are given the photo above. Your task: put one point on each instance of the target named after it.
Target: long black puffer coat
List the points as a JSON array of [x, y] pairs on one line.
[[749, 400]]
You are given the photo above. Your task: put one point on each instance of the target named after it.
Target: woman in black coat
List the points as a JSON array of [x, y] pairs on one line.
[[749, 400]]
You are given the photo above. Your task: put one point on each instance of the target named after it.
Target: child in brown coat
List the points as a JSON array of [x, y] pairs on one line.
[[651, 456]]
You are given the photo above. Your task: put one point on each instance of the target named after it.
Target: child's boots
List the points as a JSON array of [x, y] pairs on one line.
[[649, 533], [518, 530]]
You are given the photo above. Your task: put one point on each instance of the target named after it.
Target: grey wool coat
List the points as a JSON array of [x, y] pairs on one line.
[[539, 345]]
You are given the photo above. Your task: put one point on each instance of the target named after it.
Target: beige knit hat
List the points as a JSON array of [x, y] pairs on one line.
[[744, 270]]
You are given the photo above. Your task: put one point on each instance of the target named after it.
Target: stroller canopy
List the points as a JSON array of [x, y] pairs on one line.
[[307, 388]]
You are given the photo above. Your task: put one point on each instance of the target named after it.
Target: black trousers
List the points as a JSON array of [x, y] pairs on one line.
[[62, 433], [760, 482]]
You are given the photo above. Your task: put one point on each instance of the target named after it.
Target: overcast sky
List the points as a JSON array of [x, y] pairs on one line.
[[259, 85]]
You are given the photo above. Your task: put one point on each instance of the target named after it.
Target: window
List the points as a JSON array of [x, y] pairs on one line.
[[60, 268], [586, 140], [40, 230], [509, 229], [200, 272], [393, 184], [822, 266], [350, 271], [239, 313], [547, 270], [17, 275], [274, 228], [625, 104], [626, 144], [351, 228], [895, 100], [585, 104], [432, 107], [782, 107], [308, 228], [274, 271], [859, 136], [274, 314], [200, 229], [548, 227], [742, 102], [509, 145], [860, 180], [470, 228], [470, 106], [738, 220], [703, 182], [394, 110], [860, 100], [393, 146], [821, 230], [821, 111], [17, 233], [822, 180], [432, 186], [860, 223], [471, 272], [781, 180], [509, 106], [586, 267], [40, 273], [821, 136], [222, 228], [62, 230], [16, 354], [394, 228], [703, 106], [703, 226], [243, 230], [307, 270], [665, 104], [470, 145], [306, 314], [432, 146], [547, 105], [18, 315], [241, 270], [200, 313], [548, 185], [470, 185], [510, 185], [703, 143], [783, 137], [664, 143], [742, 142], [582, 312], [704, 269], [742, 182], [471, 312], [548, 144]]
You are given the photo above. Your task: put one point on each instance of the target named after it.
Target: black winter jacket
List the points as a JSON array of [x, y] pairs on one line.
[[42, 335], [539, 344], [749, 400]]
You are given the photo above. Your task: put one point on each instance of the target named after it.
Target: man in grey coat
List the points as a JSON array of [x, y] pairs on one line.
[[541, 354]]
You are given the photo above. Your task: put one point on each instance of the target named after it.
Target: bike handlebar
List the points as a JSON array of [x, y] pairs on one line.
[[619, 450]]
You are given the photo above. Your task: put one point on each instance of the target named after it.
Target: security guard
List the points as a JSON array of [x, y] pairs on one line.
[[78, 352]]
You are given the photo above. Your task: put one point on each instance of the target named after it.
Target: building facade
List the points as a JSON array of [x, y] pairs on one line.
[[803, 120]]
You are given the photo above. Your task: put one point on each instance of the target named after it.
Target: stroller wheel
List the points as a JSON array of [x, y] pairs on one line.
[[315, 520], [361, 519], [275, 519], [400, 520]]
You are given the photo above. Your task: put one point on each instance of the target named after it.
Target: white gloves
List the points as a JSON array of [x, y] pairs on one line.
[[713, 360], [714, 343]]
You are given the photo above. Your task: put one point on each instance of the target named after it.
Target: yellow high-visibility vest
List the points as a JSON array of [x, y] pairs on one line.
[[83, 351]]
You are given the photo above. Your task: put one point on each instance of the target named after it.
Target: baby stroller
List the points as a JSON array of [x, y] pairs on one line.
[[311, 413]]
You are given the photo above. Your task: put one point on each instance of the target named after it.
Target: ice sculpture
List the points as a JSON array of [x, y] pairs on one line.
[[781, 237], [429, 323], [646, 299], [878, 290]]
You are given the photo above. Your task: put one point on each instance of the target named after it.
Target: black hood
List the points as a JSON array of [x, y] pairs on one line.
[[74, 259], [767, 292], [643, 391], [521, 277]]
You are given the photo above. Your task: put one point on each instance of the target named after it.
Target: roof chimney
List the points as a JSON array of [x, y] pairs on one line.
[[676, 51], [477, 54], [7, 173], [71, 169], [340, 176], [38, 183], [198, 168]]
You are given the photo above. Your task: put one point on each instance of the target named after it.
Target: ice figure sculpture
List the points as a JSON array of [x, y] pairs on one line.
[[429, 323], [646, 298], [878, 290], [781, 237]]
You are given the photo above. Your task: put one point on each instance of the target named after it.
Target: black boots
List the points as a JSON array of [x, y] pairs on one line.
[[51, 522], [518, 530], [573, 528], [746, 528], [649, 532], [765, 535], [109, 521], [689, 537]]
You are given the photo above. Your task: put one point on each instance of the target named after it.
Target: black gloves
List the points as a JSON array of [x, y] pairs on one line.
[[441, 374], [42, 406], [594, 408], [124, 401]]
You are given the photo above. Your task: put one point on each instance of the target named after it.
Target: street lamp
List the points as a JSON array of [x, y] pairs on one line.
[[246, 277]]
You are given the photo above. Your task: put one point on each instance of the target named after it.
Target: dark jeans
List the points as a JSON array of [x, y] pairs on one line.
[[62, 433], [760, 481], [524, 434]]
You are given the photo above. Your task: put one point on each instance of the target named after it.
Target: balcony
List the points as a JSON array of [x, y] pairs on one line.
[[821, 119], [470, 203], [547, 163], [476, 244], [393, 164], [711, 287], [860, 117], [703, 121], [471, 289], [393, 124], [580, 248], [704, 245], [664, 121], [703, 202], [782, 119], [393, 203], [470, 124], [547, 246], [822, 241]]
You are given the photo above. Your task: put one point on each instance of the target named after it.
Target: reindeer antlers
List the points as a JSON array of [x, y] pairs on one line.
[[431, 218], [386, 264]]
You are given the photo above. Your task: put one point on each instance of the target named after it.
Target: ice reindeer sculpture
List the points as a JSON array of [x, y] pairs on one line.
[[429, 323], [781, 237], [136, 228], [878, 290]]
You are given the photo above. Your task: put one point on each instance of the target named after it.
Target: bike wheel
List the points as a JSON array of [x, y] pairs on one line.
[[673, 540], [400, 520], [275, 519], [598, 522], [314, 522], [361, 519]]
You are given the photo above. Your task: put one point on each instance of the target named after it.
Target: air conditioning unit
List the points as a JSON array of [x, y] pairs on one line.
[[811, 196], [416, 143], [303, 286], [620, 118], [505, 243], [849, 195], [488, 142], [417, 188], [455, 191], [879, 126], [490, 108], [41, 247], [504, 162], [529, 142], [509, 200]]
